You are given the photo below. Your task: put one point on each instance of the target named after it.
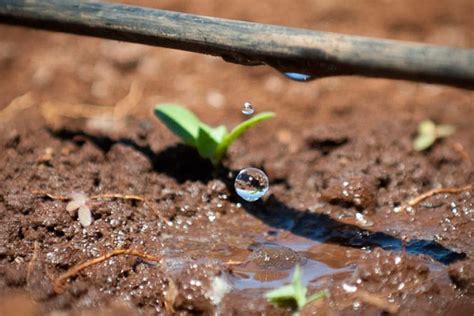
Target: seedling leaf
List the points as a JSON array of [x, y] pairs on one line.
[[206, 144], [300, 290], [423, 142], [211, 143], [316, 296], [219, 133], [239, 130], [293, 294], [281, 295], [444, 130], [180, 121], [426, 127], [429, 132]]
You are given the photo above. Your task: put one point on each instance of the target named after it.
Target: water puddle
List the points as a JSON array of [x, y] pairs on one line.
[[311, 271], [324, 229], [270, 264]]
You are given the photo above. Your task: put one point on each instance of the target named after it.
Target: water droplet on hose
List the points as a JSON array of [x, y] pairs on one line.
[[251, 184], [298, 76], [248, 109]]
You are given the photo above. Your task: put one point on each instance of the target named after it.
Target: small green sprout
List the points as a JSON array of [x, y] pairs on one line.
[[211, 142], [429, 132], [293, 294]]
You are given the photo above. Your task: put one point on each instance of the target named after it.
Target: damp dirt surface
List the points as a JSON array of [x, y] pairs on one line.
[[76, 116]]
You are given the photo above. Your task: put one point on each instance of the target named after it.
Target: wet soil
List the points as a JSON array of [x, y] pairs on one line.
[[338, 155]]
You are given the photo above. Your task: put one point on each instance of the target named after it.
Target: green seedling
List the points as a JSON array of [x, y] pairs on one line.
[[211, 142], [429, 132], [293, 294]]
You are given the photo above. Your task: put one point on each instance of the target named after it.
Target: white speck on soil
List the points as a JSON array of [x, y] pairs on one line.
[[84, 216], [349, 288], [78, 201], [220, 286]]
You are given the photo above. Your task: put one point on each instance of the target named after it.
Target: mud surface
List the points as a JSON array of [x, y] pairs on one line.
[[77, 117]]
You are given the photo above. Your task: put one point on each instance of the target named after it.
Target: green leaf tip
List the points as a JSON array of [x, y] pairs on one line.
[[429, 132], [211, 143], [239, 130], [205, 143], [293, 294], [180, 121]]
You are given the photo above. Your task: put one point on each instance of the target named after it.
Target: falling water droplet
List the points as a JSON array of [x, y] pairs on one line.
[[251, 184], [298, 76], [248, 109]]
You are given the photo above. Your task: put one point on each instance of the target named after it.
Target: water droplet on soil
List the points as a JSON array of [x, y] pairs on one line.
[[398, 259], [248, 109], [251, 184], [211, 216], [356, 305], [297, 76], [454, 209]]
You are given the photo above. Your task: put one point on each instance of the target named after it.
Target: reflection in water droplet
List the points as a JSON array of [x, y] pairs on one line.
[[297, 76], [248, 109], [251, 184]]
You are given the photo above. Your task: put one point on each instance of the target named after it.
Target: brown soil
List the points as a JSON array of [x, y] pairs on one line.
[[79, 120]]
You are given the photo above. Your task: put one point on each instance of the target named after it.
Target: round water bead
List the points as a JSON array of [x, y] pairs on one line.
[[251, 184], [248, 109]]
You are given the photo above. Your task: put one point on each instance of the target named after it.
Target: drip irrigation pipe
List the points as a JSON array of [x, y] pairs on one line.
[[318, 54]]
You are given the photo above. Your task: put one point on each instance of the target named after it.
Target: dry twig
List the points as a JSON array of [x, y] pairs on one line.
[[58, 282], [459, 148], [32, 261], [51, 196], [56, 112], [118, 196], [125, 106], [235, 262], [17, 105], [170, 296], [420, 198], [93, 197]]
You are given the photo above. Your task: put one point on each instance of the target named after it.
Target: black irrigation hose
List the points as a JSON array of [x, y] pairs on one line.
[[286, 49]]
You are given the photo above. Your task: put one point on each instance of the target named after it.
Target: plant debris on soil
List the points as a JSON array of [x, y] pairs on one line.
[[381, 227]]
